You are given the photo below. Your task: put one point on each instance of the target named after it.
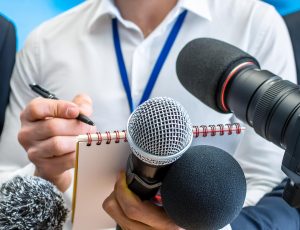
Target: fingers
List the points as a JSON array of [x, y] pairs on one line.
[[85, 104], [41, 108], [51, 167], [41, 130], [38, 121], [52, 147], [127, 209], [137, 210], [111, 206], [54, 156], [131, 203], [48, 134]]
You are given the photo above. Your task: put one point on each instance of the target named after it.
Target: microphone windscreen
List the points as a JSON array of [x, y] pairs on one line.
[[31, 203], [203, 63], [204, 189]]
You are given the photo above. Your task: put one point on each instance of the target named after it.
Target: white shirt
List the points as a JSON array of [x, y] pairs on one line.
[[74, 53]]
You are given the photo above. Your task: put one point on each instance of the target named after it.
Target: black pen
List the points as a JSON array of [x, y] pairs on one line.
[[46, 94]]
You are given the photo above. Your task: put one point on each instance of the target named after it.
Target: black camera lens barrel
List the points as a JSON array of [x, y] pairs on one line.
[[242, 92], [275, 110], [264, 101]]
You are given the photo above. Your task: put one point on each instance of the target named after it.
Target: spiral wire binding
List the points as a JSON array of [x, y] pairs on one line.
[[198, 131], [99, 141], [117, 136], [125, 136], [108, 138], [221, 127], [213, 130], [89, 139]]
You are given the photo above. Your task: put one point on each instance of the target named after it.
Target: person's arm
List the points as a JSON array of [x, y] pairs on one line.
[[48, 128], [271, 212], [260, 159]]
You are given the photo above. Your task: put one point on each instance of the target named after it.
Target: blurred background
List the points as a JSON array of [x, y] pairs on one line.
[[28, 14], [285, 7]]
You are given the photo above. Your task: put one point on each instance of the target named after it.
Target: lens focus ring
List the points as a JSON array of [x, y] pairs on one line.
[[268, 102]]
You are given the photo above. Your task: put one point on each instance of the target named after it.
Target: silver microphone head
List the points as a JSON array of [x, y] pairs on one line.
[[159, 131]]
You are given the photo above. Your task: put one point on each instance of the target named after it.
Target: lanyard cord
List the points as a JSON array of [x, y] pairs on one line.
[[158, 65]]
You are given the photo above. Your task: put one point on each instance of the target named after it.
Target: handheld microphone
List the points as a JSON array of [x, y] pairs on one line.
[[31, 203], [229, 80], [159, 131], [204, 189]]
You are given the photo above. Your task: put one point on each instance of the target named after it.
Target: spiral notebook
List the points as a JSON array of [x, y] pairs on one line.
[[99, 159]]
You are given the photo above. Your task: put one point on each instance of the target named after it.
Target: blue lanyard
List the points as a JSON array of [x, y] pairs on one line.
[[158, 65]]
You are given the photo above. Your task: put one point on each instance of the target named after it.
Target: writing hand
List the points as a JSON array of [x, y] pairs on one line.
[[48, 134]]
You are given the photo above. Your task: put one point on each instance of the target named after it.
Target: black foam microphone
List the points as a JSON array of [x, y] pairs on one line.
[[229, 80], [28, 203], [204, 189]]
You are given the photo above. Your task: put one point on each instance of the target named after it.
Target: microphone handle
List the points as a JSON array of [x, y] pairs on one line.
[[142, 190], [142, 179]]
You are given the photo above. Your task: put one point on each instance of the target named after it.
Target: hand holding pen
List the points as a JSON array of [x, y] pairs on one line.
[[49, 131], [46, 94]]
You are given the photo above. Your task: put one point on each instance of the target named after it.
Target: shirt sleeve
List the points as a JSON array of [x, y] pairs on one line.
[[260, 159], [28, 69], [13, 158]]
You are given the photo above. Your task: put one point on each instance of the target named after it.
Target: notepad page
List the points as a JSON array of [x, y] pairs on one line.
[[96, 173], [97, 167]]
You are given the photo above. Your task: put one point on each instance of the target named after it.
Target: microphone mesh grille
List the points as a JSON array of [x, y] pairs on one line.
[[159, 131]]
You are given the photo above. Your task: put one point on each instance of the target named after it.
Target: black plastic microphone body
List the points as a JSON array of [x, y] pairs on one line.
[[144, 179], [265, 101]]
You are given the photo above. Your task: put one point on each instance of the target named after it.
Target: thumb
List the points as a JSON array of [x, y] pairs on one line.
[[85, 104]]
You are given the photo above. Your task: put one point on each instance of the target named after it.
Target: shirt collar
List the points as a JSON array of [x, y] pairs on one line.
[[198, 7], [107, 7]]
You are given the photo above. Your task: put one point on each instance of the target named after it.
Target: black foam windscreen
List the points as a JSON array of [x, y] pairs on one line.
[[202, 65], [204, 189]]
